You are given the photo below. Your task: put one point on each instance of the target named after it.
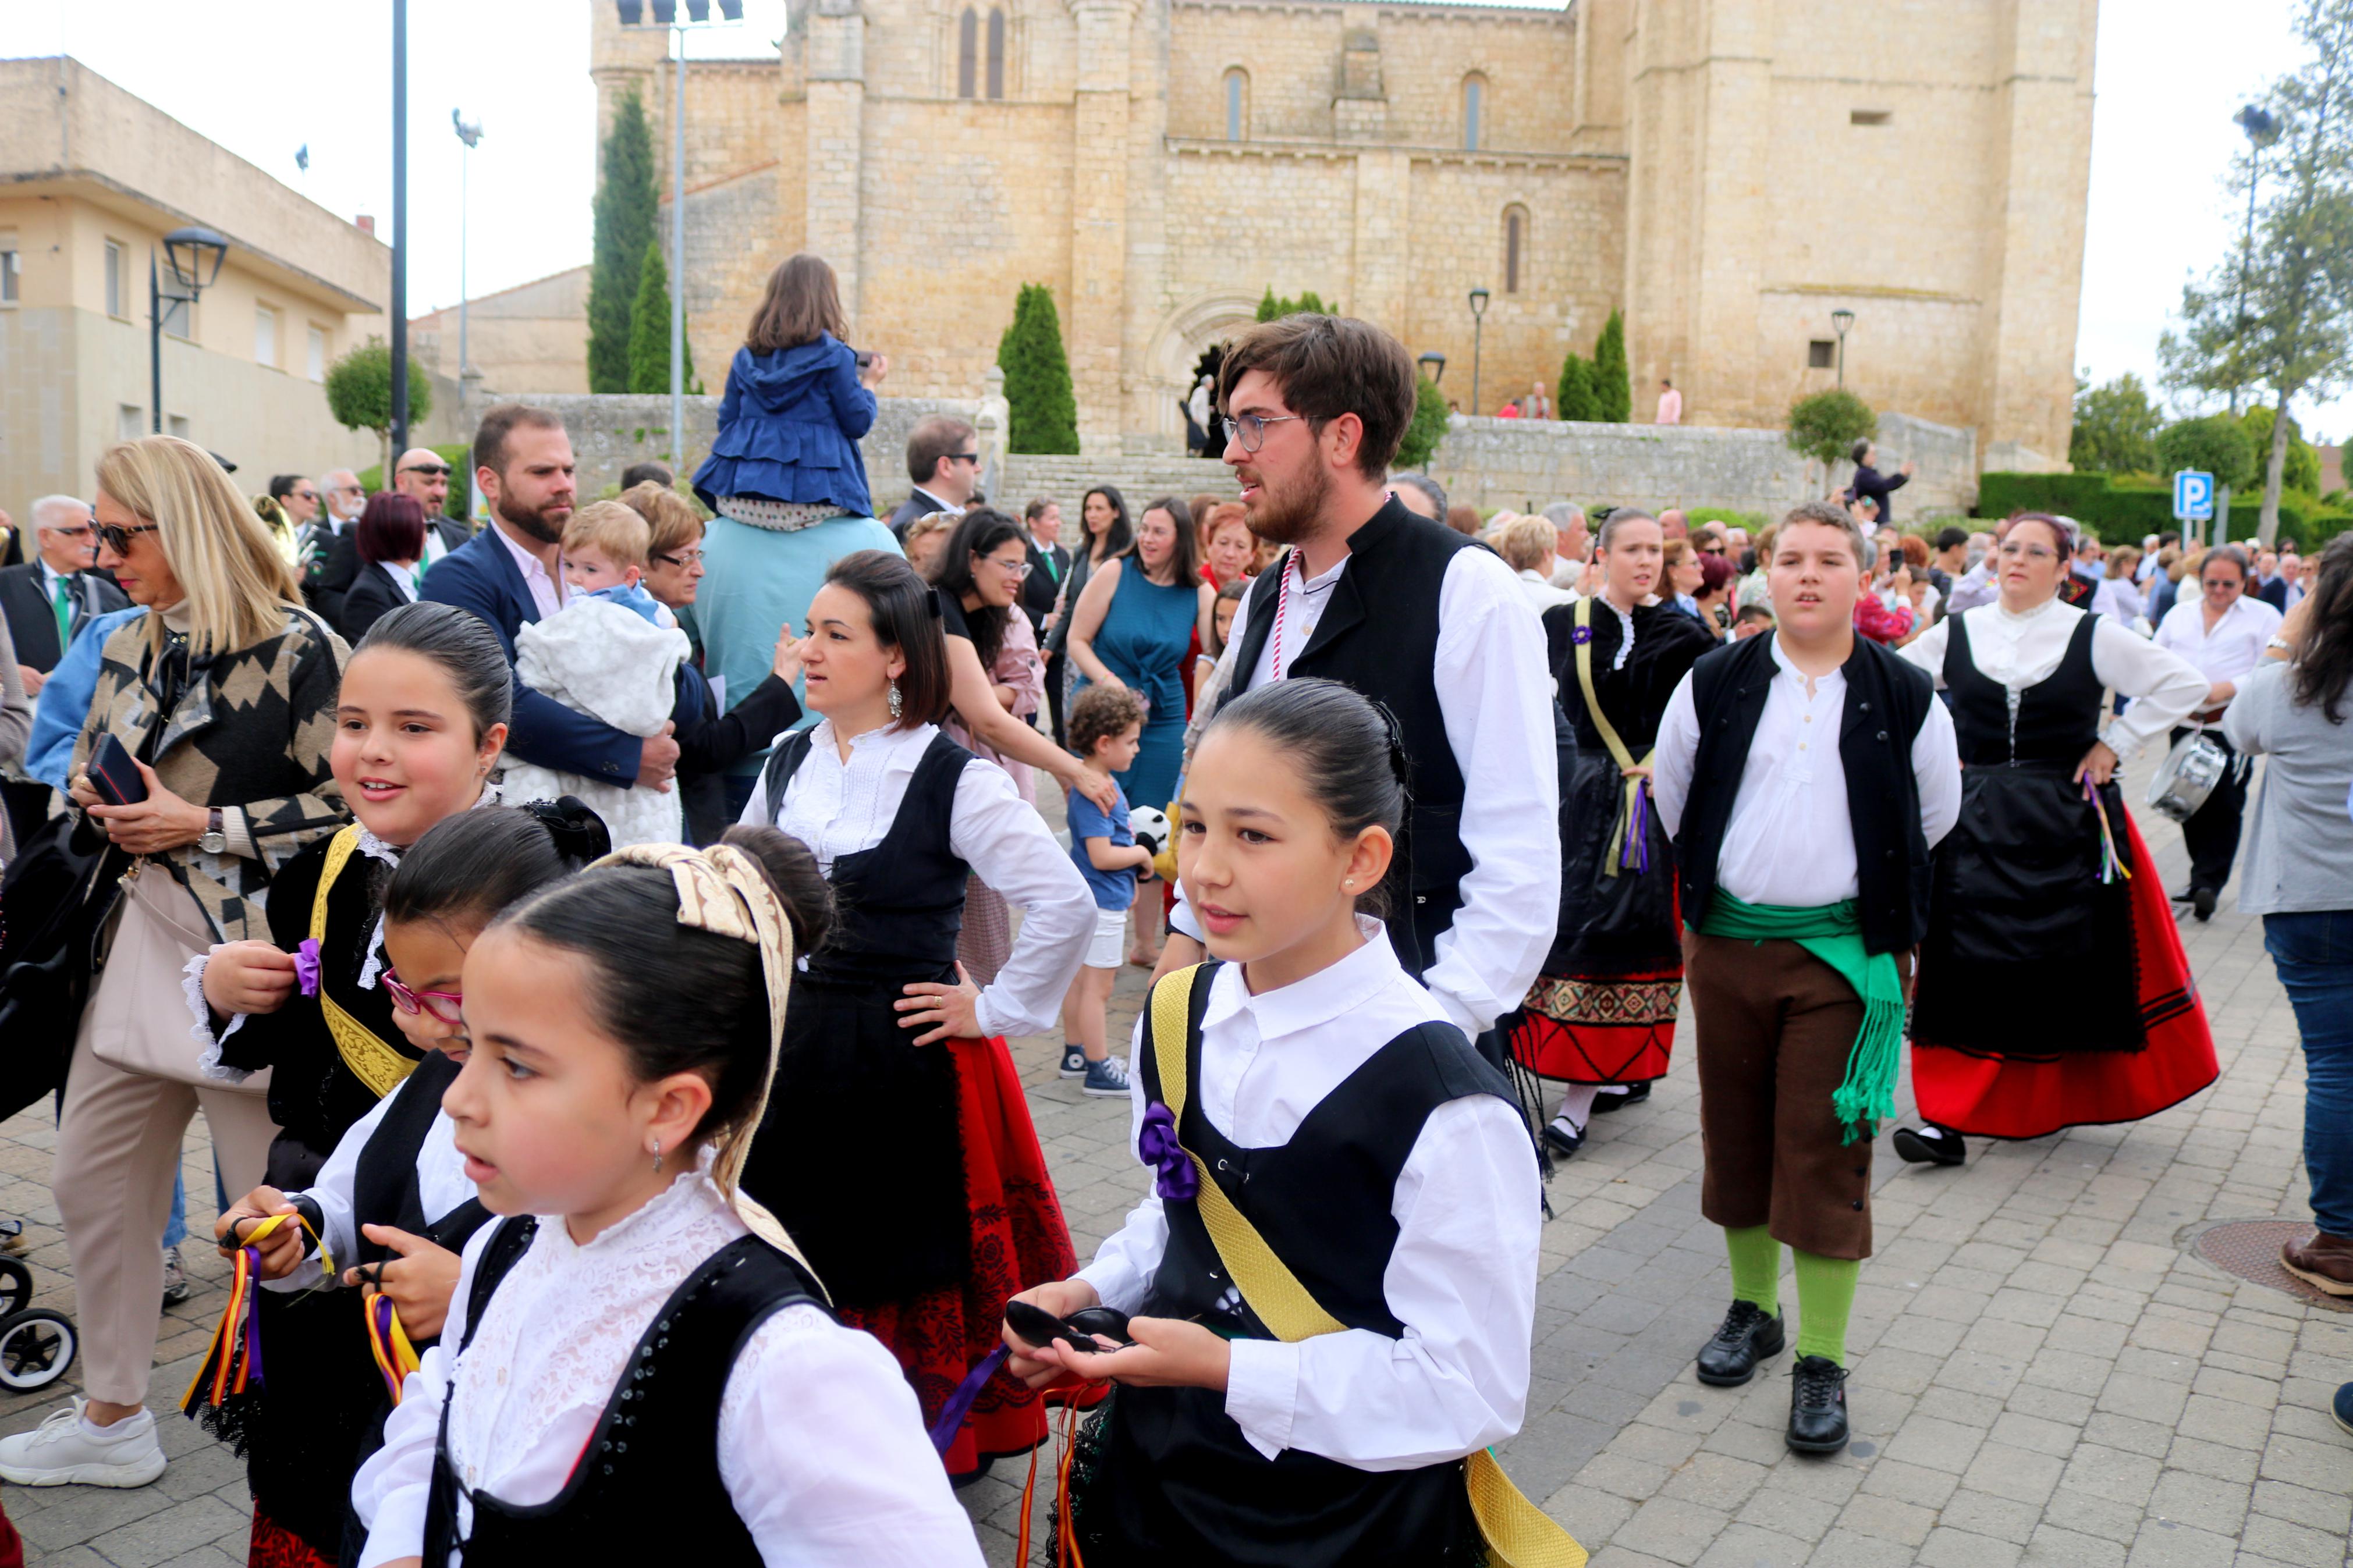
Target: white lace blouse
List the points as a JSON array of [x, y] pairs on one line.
[[821, 1443]]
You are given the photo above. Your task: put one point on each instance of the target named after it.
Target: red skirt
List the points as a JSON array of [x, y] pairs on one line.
[[1617, 1028], [1019, 1240], [1995, 1097], [272, 1546]]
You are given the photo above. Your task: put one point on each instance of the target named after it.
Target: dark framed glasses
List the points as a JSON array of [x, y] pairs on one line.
[[118, 538], [435, 470], [414, 1002]]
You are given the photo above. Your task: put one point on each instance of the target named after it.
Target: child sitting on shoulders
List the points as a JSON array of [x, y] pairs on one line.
[[1106, 728], [606, 654]]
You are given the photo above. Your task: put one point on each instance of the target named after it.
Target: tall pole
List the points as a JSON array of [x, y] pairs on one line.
[[465, 185], [399, 235], [2247, 255], [677, 269], [155, 344]]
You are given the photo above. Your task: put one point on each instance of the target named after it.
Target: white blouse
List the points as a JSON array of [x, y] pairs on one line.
[[441, 1186], [2017, 651], [821, 1443], [840, 808], [1461, 1279]]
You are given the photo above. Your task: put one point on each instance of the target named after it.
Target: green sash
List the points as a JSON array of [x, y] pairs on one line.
[[1833, 935]]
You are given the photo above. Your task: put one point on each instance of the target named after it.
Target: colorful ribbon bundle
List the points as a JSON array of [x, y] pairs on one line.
[[2112, 865], [395, 1356], [233, 1364]]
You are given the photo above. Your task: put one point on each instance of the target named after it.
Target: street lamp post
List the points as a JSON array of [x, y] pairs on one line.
[[1478, 335], [194, 256], [399, 230], [471, 135], [2261, 129], [1841, 319], [1434, 364]]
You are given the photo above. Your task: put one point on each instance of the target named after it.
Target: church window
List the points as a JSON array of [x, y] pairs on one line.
[[1474, 113], [967, 51], [1820, 354], [1237, 104], [997, 52], [1869, 116], [1516, 243]]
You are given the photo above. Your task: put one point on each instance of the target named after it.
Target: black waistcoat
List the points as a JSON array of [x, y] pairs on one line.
[[648, 1479], [1886, 703], [1179, 1483], [1379, 634], [384, 1183], [2058, 717]]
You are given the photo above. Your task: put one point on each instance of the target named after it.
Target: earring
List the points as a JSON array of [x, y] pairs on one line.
[[895, 701], [656, 1146]]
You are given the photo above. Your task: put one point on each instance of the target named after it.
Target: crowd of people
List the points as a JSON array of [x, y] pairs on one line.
[[590, 940]]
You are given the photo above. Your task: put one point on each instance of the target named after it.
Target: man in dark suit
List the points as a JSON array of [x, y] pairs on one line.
[[944, 461], [510, 572], [420, 473], [2271, 582], [47, 600], [329, 550], [1049, 563]]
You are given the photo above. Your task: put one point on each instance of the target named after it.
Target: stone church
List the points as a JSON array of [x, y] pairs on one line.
[[1727, 173]]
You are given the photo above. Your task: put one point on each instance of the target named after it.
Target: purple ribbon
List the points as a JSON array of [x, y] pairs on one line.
[[1581, 635], [1157, 1145], [1638, 833], [253, 1322], [306, 966], [951, 1413]]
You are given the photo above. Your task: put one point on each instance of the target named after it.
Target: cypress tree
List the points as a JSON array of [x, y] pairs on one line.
[[1613, 392], [1574, 399], [650, 329], [625, 228], [1270, 307], [1044, 410]]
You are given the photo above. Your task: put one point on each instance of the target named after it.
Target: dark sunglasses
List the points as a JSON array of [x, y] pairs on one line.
[[972, 458], [436, 470], [118, 539], [414, 1002]]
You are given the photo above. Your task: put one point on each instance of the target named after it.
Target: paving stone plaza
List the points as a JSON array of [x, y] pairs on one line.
[[2046, 1370]]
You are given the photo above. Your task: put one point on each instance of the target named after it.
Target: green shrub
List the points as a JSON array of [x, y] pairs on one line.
[[650, 329], [1750, 521], [624, 218], [1825, 425], [1044, 408], [1426, 428], [1611, 390], [2214, 444], [1574, 398], [1271, 308]]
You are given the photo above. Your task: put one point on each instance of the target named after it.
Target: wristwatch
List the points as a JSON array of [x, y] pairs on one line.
[[214, 841]]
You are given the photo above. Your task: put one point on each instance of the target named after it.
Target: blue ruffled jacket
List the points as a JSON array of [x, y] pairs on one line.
[[788, 429]]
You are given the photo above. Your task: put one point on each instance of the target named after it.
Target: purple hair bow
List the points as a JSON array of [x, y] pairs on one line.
[[306, 966], [1581, 635], [1157, 1145]]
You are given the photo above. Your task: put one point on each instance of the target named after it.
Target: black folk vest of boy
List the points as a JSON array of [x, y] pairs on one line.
[[1887, 700], [384, 1189], [649, 1478], [1182, 1483], [1379, 634]]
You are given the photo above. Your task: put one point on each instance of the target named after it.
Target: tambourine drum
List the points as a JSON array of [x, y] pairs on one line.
[[2187, 776]]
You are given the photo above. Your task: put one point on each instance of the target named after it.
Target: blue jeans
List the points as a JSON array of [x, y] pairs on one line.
[[176, 1229], [2313, 952]]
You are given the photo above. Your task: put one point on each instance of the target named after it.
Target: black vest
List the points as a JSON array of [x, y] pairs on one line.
[[1180, 1484], [2058, 717], [1886, 703], [384, 1183], [648, 1479], [1379, 634]]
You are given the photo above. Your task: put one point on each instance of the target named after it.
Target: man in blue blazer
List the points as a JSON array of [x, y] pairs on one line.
[[510, 574]]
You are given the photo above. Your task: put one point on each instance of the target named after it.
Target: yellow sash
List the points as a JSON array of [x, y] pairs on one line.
[[1617, 752], [374, 1064], [1518, 1534]]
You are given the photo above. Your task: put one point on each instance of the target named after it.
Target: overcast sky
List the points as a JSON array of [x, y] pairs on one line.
[[266, 77]]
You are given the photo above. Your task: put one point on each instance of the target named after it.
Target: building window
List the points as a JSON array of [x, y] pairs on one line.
[[130, 422], [1474, 113], [1822, 354], [967, 51], [264, 336], [176, 425], [1515, 247], [1870, 116], [12, 263], [997, 52], [315, 365], [178, 323], [114, 281], [1237, 104]]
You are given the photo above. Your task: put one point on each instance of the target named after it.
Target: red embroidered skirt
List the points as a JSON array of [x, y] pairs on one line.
[[1616, 1028]]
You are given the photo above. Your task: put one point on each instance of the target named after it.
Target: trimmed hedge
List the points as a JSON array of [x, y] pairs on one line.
[[2125, 511]]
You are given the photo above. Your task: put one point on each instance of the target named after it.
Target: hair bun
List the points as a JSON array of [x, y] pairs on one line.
[[580, 834]]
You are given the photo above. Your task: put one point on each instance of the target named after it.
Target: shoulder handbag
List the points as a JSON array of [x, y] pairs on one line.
[[52, 905], [1517, 1534], [138, 1020]]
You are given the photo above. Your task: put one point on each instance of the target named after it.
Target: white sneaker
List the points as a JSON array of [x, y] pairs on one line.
[[65, 1451]]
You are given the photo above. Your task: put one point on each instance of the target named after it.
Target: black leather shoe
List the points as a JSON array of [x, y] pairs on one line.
[[1561, 1139], [1817, 1405], [1930, 1146], [1618, 1097], [2201, 904], [1747, 1337]]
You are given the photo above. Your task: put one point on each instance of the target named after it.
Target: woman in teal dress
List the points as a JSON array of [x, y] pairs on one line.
[[1133, 625]]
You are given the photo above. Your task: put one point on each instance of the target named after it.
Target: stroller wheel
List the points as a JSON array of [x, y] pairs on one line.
[[36, 1346], [15, 1287]]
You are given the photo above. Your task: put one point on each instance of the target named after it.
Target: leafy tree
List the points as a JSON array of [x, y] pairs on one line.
[[1426, 428], [2302, 470], [1613, 391], [1574, 397], [2215, 443], [359, 392], [650, 329], [1044, 410], [2279, 314], [624, 213], [2116, 428], [1272, 309], [1827, 424]]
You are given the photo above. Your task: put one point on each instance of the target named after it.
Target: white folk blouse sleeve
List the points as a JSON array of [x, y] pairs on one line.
[[1462, 1281], [823, 1452], [332, 1193], [1676, 749], [1003, 839], [2165, 687], [1927, 650], [1124, 1264], [1936, 773]]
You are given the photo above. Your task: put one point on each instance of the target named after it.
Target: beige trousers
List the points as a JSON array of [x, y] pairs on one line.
[[118, 1148]]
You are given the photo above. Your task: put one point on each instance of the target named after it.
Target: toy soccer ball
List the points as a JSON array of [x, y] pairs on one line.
[[1150, 825]]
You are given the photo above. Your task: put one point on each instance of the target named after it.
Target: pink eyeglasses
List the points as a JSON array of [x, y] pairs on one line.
[[409, 1001]]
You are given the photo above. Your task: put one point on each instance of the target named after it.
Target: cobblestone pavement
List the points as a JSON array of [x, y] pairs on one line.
[[2043, 1372]]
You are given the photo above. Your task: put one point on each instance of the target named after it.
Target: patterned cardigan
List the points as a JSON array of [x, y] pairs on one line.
[[252, 732]]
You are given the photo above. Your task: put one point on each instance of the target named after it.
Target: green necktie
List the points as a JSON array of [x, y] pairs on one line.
[[65, 613]]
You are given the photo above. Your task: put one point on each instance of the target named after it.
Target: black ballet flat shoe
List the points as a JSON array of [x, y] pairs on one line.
[[1618, 1097], [958, 1483], [1930, 1146], [2201, 904], [1817, 1405], [1747, 1337], [1561, 1140]]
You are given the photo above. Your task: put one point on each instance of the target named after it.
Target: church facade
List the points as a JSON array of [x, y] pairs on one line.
[[1727, 173]]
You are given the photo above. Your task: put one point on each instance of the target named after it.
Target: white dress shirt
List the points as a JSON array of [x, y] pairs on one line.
[[2018, 651], [1790, 839], [837, 809], [821, 1443], [1540, 592], [1495, 694], [2231, 647], [546, 589], [1462, 1278], [441, 1186]]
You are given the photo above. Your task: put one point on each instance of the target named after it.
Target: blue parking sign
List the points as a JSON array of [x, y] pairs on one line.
[[2193, 496]]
